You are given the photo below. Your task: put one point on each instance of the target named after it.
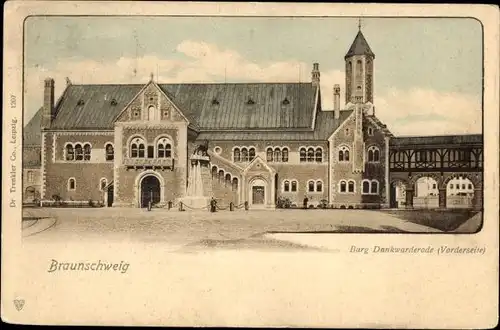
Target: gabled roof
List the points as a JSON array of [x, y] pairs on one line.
[[325, 125], [207, 106], [32, 132], [359, 47]]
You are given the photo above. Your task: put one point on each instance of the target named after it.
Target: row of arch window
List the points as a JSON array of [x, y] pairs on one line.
[[77, 151], [277, 154], [224, 178], [373, 154], [368, 187], [103, 183], [310, 155], [139, 148], [243, 154], [312, 186]]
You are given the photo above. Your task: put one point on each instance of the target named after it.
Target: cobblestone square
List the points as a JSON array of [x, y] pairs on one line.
[[193, 228]]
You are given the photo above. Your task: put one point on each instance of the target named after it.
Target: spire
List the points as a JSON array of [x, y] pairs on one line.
[[359, 45]]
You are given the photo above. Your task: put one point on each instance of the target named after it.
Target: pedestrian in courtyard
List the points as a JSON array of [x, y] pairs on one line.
[[213, 205], [306, 200]]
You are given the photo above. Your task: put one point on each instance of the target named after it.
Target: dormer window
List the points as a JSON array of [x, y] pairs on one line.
[[285, 101], [250, 101], [81, 102], [113, 102], [215, 101]]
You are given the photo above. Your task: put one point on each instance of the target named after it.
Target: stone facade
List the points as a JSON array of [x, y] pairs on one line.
[[152, 138]]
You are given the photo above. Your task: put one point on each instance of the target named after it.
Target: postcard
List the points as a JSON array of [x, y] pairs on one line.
[[250, 164]]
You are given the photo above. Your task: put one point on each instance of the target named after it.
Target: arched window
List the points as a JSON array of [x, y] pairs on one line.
[[70, 152], [294, 185], [30, 176], [71, 184], [110, 152], [103, 183], [310, 155], [303, 157], [350, 186], [235, 184], [221, 176], [373, 154], [152, 113], [277, 154], [366, 187], [343, 186], [86, 151], [359, 68], [214, 172], [374, 187], [236, 155], [251, 154], [228, 180], [310, 186], [78, 152], [244, 155], [164, 148], [285, 155], [319, 186], [286, 186], [269, 155], [370, 131], [344, 154], [319, 155], [137, 148]]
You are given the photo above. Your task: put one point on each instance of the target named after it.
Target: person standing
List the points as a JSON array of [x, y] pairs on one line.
[[306, 200]]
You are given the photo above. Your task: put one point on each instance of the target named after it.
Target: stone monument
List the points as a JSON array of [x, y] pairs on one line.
[[199, 187]]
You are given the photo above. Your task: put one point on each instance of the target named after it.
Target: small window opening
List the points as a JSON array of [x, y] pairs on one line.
[[215, 101], [113, 102], [81, 102], [285, 101], [250, 101]]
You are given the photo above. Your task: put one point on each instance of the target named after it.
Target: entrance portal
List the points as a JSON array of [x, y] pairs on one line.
[[150, 191], [258, 194]]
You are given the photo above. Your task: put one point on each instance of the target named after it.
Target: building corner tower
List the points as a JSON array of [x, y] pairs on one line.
[[359, 71]]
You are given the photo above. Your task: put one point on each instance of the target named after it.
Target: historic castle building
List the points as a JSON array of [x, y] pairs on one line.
[[125, 144]]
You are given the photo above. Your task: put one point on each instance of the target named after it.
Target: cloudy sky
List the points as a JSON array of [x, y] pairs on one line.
[[428, 72]]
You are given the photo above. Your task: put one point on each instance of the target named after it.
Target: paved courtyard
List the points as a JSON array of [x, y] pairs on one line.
[[202, 228]]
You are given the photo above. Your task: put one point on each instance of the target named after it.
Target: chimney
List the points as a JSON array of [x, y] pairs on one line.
[[336, 101], [315, 75], [48, 103]]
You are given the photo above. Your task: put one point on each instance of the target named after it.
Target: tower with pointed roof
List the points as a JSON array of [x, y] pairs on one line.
[[359, 70]]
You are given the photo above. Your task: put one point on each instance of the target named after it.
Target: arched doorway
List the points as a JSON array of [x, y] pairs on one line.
[[258, 192], [398, 194], [426, 193], [30, 194], [150, 190], [459, 193]]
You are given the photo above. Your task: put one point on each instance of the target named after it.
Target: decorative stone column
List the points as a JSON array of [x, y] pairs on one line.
[[442, 198], [409, 198], [477, 200]]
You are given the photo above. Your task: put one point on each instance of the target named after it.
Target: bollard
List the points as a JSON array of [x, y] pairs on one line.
[[169, 205], [231, 206], [180, 206], [246, 206]]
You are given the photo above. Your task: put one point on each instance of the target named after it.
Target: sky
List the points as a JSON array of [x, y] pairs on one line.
[[427, 79]]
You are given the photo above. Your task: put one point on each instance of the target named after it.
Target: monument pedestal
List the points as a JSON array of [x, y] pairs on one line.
[[199, 188]]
